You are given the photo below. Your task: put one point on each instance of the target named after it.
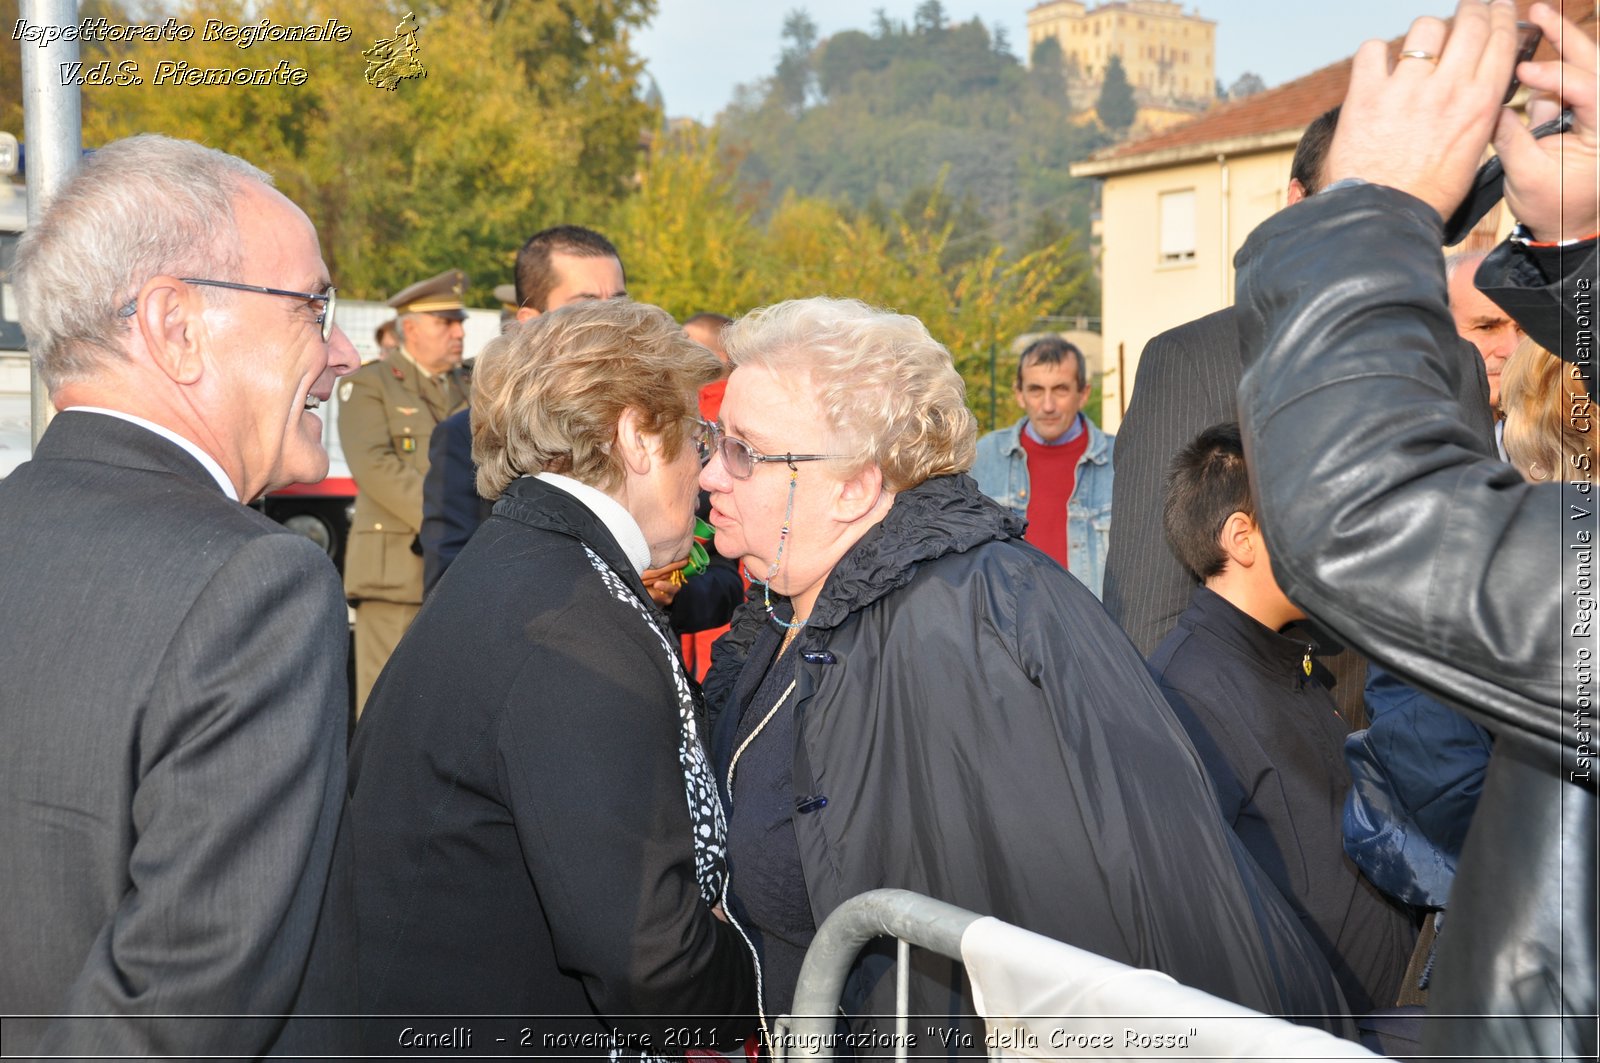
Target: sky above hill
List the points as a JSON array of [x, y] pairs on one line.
[[699, 50]]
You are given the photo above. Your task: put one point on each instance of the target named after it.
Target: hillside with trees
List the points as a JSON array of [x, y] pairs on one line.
[[876, 118], [921, 168]]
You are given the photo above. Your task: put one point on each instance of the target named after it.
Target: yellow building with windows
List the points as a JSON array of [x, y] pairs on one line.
[[1176, 206], [1169, 56]]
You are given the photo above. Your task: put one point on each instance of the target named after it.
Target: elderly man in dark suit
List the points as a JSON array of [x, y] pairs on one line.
[[172, 663]]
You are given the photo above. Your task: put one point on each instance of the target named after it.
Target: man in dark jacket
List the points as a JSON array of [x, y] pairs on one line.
[[172, 663], [1188, 380], [1387, 524], [1258, 709], [559, 265]]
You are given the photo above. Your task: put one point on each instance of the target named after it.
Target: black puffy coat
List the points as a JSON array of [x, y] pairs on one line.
[[1386, 525], [983, 733]]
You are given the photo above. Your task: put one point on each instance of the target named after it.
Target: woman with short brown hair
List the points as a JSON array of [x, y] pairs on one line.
[[533, 822]]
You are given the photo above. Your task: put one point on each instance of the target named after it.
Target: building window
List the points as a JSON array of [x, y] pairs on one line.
[[1177, 226]]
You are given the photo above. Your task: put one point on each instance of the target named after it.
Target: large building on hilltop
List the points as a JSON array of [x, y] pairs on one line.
[[1169, 56]]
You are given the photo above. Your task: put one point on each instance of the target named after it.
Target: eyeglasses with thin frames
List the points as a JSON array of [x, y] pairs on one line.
[[739, 457], [328, 297]]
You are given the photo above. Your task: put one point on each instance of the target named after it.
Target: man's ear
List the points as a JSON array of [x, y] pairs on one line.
[[631, 443], [170, 319], [1238, 538], [1297, 191], [859, 493], [526, 313]]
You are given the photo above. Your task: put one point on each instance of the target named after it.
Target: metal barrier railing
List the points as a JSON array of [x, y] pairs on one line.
[[910, 917], [1045, 999]]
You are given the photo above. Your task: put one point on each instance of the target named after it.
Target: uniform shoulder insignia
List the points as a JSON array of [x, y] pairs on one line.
[[345, 389]]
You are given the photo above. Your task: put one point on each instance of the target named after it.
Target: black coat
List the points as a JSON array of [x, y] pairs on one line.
[[984, 734], [452, 509], [1188, 380], [1387, 523], [1271, 739], [519, 821]]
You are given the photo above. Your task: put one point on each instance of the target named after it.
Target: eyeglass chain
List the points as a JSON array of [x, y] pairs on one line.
[[783, 539]]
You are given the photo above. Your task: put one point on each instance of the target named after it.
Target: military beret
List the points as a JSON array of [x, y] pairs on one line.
[[440, 295]]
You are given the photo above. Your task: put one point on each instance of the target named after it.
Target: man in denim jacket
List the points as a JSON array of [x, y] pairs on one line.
[[1053, 467]]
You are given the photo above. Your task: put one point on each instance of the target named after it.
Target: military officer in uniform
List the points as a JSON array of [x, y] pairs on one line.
[[387, 412]]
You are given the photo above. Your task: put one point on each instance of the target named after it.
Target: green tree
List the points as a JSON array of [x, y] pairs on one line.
[[529, 115], [688, 243], [1047, 70], [1116, 108], [843, 56], [692, 245], [897, 106], [795, 77], [1247, 84], [1002, 41], [929, 18]]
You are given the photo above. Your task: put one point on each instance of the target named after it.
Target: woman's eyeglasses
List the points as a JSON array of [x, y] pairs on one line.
[[739, 457]]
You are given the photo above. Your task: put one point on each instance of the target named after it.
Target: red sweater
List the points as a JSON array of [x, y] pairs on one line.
[[1052, 474]]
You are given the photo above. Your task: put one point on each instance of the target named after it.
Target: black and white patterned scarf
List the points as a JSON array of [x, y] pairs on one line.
[[700, 788]]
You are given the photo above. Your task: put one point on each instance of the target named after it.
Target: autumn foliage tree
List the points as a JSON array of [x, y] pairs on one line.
[[691, 246], [529, 115]]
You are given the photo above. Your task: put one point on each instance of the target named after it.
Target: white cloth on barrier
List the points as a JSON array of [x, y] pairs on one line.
[[1043, 999]]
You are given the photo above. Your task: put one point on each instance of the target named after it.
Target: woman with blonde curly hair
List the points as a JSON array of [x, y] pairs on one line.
[[1550, 431], [533, 824], [915, 697]]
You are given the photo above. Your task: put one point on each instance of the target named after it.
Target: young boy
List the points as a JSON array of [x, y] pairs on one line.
[[1262, 720]]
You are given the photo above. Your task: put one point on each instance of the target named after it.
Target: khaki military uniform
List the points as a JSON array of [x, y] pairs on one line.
[[387, 411]]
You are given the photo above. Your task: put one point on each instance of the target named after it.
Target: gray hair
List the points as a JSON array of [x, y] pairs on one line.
[[887, 388], [402, 324], [137, 208], [1455, 260]]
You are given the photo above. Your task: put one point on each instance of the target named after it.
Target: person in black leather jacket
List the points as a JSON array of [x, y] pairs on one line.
[[1387, 524]]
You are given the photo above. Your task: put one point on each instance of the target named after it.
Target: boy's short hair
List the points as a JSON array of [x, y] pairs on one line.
[[1206, 482]]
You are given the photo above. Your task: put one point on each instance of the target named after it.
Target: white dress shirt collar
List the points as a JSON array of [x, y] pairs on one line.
[[618, 521]]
